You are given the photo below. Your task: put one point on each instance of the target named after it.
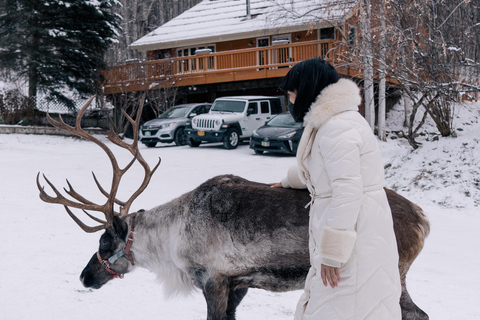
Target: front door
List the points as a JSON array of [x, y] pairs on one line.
[[252, 121], [264, 115], [262, 55]]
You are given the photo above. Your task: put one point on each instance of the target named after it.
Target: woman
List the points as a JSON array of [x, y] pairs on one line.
[[353, 252]]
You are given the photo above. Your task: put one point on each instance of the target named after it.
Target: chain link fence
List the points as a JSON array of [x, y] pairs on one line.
[[52, 106]]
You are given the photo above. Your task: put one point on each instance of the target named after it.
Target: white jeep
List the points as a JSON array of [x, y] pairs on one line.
[[232, 119]]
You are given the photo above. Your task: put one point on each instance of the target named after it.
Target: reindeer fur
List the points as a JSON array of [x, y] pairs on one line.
[[231, 234]]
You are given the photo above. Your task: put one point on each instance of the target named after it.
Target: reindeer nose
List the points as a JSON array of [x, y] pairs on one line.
[[88, 280], [82, 279]]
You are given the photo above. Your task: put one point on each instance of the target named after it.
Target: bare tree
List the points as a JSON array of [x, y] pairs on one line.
[[429, 48], [140, 18], [160, 100]]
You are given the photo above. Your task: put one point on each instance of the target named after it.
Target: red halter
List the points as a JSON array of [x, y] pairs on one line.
[[124, 252]]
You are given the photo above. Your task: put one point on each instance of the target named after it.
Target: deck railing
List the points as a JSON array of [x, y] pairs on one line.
[[225, 66]]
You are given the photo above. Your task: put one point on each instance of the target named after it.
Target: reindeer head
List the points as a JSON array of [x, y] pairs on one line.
[[113, 257], [99, 269]]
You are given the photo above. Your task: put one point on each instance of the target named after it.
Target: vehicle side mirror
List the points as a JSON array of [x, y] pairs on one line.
[[250, 111], [192, 115]]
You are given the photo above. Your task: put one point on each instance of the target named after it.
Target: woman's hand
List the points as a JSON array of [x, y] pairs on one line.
[[330, 275], [275, 185]]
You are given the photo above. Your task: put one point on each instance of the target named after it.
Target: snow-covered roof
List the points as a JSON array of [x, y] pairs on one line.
[[226, 20]]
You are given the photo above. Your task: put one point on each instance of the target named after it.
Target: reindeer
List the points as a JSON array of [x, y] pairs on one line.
[[217, 238]]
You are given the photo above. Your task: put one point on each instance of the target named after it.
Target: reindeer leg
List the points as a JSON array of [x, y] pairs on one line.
[[234, 299], [410, 311], [216, 292]]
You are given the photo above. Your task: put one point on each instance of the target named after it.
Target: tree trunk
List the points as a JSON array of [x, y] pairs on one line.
[[32, 78], [368, 64], [382, 81], [407, 107]]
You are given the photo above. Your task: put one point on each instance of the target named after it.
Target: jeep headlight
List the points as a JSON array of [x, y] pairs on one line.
[[218, 122], [194, 121]]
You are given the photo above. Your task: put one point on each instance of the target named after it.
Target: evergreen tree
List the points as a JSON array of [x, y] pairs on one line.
[[57, 44]]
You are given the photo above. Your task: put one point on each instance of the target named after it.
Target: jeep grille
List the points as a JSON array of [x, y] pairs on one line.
[[205, 124]]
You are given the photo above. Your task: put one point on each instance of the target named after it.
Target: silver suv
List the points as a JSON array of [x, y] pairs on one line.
[[232, 119], [170, 125]]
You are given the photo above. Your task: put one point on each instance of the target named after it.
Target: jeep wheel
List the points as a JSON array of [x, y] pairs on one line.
[[150, 144], [231, 140], [180, 137], [193, 143]]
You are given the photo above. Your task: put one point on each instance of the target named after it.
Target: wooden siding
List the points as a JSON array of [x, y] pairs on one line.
[[221, 66]]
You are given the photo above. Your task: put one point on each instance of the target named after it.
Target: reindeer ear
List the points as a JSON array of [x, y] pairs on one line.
[[120, 227]]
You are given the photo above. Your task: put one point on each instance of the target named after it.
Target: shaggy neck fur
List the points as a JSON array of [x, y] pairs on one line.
[[341, 96], [155, 243]]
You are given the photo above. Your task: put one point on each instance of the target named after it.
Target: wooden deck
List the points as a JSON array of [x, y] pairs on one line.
[[225, 66]]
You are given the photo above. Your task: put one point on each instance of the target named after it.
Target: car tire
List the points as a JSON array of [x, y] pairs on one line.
[[150, 144], [258, 151], [180, 137], [231, 139], [193, 143]]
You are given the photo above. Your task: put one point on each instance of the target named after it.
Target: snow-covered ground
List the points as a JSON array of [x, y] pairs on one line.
[[42, 251]]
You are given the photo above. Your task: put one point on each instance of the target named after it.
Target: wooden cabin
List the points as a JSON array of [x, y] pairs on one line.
[[230, 47]]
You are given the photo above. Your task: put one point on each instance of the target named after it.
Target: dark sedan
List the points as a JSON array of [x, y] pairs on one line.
[[281, 134]]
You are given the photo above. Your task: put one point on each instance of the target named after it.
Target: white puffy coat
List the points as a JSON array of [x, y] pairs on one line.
[[350, 220]]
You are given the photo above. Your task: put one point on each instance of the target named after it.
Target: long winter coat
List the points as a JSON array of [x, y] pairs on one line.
[[350, 220]]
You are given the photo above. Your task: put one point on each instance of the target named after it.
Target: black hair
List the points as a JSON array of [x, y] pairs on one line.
[[308, 78]]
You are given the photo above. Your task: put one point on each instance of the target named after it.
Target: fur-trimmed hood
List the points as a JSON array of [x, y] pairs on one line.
[[341, 96], [344, 95]]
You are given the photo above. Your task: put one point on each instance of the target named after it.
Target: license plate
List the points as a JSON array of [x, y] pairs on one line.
[[265, 143], [148, 133], [201, 133]]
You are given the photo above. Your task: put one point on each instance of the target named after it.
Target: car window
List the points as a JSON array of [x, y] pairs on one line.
[[284, 120], [196, 110], [228, 106], [253, 108], [175, 113], [275, 106], [199, 110], [264, 107], [203, 109]]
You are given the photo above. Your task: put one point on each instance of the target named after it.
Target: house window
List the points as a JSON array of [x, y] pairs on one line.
[[352, 35], [327, 33], [160, 54], [280, 39], [185, 52], [281, 55], [263, 42], [193, 64]]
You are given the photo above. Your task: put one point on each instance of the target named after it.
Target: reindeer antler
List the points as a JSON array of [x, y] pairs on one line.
[[108, 207]]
